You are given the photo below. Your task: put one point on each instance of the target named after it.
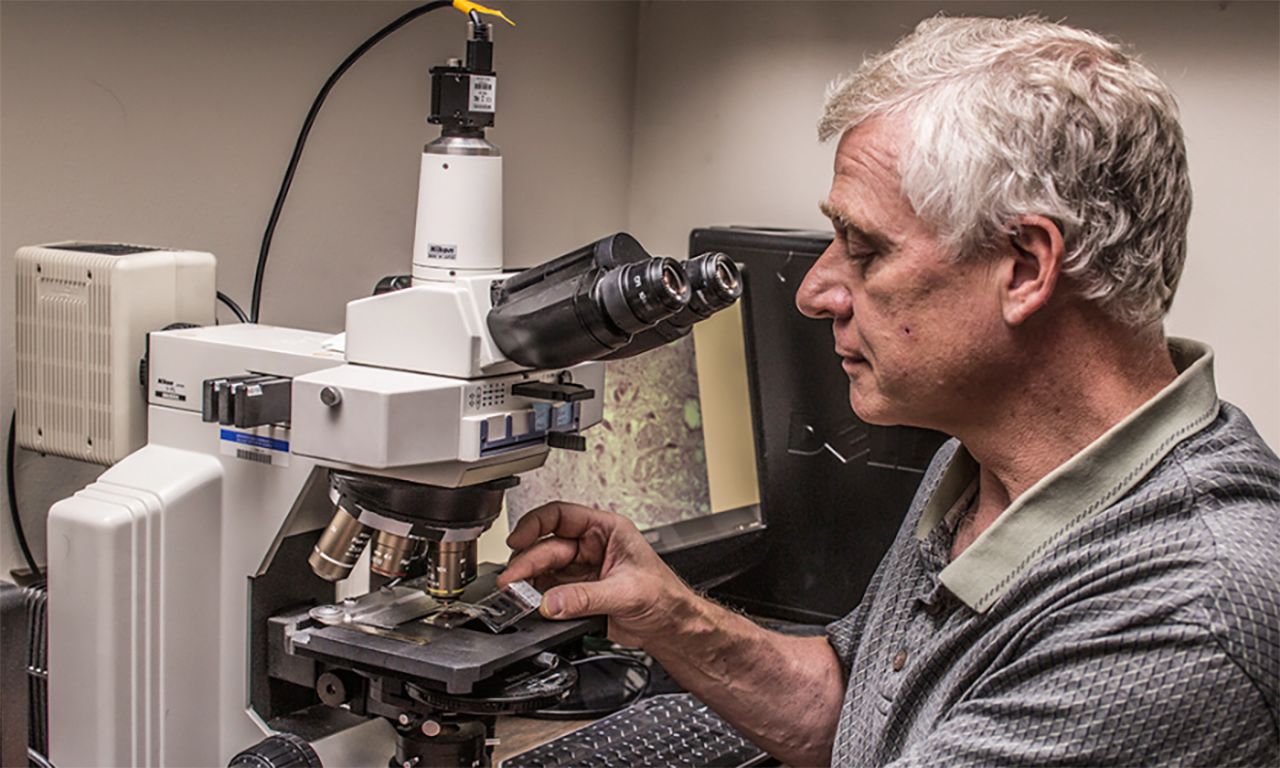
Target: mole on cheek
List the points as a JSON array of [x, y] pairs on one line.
[[906, 330]]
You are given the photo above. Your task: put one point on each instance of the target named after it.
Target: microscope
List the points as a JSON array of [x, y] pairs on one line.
[[293, 552]]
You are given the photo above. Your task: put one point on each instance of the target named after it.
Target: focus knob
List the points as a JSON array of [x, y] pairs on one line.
[[282, 750]]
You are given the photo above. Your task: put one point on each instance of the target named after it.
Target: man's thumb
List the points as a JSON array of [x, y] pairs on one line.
[[571, 601]]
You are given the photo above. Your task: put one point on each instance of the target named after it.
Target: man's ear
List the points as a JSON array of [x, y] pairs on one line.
[[1033, 268]]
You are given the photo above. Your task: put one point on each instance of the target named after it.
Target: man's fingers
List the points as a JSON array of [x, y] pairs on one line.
[[566, 520], [572, 601], [545, 556]]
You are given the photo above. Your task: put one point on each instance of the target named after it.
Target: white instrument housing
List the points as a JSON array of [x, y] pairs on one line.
[[83, 314], [433, 327], [433, 429], [459, 225]]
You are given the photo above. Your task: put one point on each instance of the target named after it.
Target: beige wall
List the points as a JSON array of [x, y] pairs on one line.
[[728, 96], [170, 123]]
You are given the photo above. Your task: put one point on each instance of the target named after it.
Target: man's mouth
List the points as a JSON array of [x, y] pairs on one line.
[[851, 360]]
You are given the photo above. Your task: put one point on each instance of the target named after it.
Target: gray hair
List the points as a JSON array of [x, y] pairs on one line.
[[1013, 117]]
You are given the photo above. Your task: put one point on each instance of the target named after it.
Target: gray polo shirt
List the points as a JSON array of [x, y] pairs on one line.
[[1123, 610]]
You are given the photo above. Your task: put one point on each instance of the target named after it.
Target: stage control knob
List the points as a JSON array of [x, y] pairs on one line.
[[567, 441], [281, 750]]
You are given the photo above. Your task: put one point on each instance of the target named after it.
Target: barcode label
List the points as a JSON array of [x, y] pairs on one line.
[[261, 458], [484, 93]]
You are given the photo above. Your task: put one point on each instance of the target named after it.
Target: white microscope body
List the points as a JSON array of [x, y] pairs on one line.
[[149, 617], [149, 566], [163, 573]]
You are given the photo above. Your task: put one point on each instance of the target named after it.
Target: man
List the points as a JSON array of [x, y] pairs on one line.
[[1088, 573]]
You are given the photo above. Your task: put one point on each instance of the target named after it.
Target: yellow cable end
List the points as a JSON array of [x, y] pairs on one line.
[[466, 6]]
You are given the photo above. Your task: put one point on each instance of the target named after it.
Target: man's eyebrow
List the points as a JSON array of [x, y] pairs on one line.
[[848, 227]]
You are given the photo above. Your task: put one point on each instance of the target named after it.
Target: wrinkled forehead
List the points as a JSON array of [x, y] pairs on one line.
[[867, 168], [878, 143], [867, 191]]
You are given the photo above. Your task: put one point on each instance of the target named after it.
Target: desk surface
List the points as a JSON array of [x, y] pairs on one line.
[[519, 734]]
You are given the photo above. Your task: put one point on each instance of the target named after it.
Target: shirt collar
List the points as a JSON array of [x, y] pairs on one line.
[[1090, 481]]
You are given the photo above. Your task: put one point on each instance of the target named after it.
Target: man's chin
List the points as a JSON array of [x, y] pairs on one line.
[[874, 411], [877, 416]]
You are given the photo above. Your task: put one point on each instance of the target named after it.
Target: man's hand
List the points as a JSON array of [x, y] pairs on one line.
[[783, 692], [596, 563]]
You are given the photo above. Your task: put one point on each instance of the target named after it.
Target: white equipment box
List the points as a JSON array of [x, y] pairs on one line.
[[83, 314]]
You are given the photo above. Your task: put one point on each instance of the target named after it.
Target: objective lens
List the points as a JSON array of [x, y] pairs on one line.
[[451, 566], [636, 296], [339, 547], [392, 554]]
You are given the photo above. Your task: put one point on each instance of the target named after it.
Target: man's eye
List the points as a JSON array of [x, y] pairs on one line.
[[856, 247]]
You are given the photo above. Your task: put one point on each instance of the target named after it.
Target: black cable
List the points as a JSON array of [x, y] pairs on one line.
[[12, 486], [255, 304], [233, 306], [569, 709]]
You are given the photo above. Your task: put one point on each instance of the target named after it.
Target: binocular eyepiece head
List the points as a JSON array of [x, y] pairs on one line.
[[606, 300]]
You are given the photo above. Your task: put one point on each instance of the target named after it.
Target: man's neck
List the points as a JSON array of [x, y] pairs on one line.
[[1057, 406]]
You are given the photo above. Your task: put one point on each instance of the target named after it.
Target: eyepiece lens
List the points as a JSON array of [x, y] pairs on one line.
[[672, 280], [655, 288], [638, 295], [715, 280], [725, 277]]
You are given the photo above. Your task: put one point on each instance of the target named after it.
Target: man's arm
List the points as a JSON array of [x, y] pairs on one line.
[[785, 693]]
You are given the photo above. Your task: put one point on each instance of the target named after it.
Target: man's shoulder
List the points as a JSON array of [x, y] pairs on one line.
[[1231, 483], [1225, 475], [1229, 461], [1206, 524]]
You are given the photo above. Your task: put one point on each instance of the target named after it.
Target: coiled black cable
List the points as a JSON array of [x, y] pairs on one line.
[[255, 304]]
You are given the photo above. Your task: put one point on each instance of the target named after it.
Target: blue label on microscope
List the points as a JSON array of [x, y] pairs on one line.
[[257, 441], [265, 445]]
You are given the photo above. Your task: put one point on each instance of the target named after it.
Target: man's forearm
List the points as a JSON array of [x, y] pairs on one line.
[[784, 692]]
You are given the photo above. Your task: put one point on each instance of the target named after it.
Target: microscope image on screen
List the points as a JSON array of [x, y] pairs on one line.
[[646, 459]]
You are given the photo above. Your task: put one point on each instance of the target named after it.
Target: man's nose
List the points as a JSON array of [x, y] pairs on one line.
[[822, 294]]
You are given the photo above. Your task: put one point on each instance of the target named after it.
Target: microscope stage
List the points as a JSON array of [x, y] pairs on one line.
[[454, 658]]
